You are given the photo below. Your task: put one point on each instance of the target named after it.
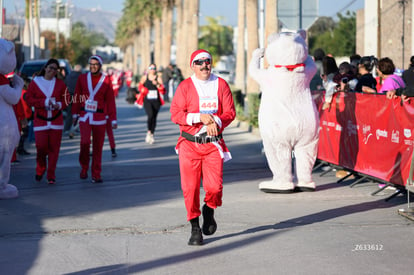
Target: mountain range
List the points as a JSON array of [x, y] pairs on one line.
[[96, 20]]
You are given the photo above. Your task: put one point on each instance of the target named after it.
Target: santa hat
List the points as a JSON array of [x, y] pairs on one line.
[[96, 57], [199, 54]]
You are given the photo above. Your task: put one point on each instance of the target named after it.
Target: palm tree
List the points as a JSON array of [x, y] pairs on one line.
[[252, 39], [157, 40], [187, 33], [192, 15], [26, 31], [272, 22], [180, 35], [240, 80], [167, 31], [36, 29]]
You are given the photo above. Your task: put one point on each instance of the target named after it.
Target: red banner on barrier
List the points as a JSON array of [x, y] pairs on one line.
[[369, 134]]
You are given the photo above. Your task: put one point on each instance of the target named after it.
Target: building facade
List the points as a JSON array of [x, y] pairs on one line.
[[384, 29]]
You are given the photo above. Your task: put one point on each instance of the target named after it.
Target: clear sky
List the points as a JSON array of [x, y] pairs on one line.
[[224, 8]]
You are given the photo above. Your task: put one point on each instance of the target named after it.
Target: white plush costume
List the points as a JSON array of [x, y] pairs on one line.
[[288, 118], [9, 131]]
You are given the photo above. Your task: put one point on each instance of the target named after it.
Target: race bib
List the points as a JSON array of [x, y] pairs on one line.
[[152, 94], [91, 106], [209, 105]]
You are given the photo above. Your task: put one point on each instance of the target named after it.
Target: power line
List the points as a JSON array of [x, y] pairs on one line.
[[347, 6]]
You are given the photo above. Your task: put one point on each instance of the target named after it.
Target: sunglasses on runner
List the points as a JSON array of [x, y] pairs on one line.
[[200, 62]]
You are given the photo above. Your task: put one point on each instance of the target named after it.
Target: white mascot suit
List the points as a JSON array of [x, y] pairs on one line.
[[288, 117], [10, 92]]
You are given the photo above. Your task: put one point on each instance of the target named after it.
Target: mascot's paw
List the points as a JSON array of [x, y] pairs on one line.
[[258, 53], [306, 187], [276, 187], [9, 192]]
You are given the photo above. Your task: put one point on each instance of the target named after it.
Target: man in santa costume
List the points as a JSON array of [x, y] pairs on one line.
[[93, 102], [202, 107]]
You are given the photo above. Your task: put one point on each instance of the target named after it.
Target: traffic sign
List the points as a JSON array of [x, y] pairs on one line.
[[297, 14]]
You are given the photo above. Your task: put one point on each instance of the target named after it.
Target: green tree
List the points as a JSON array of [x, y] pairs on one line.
[[322, 25], [339, 40], [216, 38], [82, 41]]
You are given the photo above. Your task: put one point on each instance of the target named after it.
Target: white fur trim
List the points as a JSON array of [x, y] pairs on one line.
[[201, 55], [96, 57], [193, 118]]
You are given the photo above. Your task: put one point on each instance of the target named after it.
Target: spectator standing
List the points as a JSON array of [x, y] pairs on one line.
[[173, 84], [366, 82], [167, 75], [94, 100], [316, 82], [391, 81], [21, 122], [345, 77], [408, 75], [354, 61], [329, 71], [28, 114], [202, 107]]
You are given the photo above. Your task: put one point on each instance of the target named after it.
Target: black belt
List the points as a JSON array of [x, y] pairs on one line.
[[49, 118], [97, 110], [202, 138]]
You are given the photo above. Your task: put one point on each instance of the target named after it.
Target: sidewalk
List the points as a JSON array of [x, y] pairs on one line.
[[135, 222]]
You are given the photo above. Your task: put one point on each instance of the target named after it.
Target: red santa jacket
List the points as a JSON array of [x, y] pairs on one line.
[[91, 90], [143, 92], [186, 101], [128, 78], [116, 82], [19, 112], [27, 110], [45, 118]]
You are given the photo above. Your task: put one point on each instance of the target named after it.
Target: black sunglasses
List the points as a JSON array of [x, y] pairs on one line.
[[200, 62]]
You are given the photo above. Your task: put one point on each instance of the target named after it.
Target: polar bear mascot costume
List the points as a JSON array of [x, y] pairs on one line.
[[288, 117], [10, 91]]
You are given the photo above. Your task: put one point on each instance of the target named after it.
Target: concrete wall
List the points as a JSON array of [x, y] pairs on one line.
[[370, 26], [391, 31]]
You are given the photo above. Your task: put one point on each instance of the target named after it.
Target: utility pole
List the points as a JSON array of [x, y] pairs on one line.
[[57, 23]]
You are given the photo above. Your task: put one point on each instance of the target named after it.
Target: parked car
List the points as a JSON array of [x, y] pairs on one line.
[[31, 67], [225, 74]]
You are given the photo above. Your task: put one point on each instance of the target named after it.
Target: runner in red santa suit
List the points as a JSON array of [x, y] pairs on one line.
[[93, 100], [202, 106], [128, 78], [115, 78], [47, 94]]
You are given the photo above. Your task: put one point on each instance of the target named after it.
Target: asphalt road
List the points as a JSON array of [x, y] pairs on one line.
[[135, 222]]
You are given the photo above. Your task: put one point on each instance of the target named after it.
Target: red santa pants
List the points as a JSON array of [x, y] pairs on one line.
[[98, 137], [110, 133], [200, 162], [47, 147]]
